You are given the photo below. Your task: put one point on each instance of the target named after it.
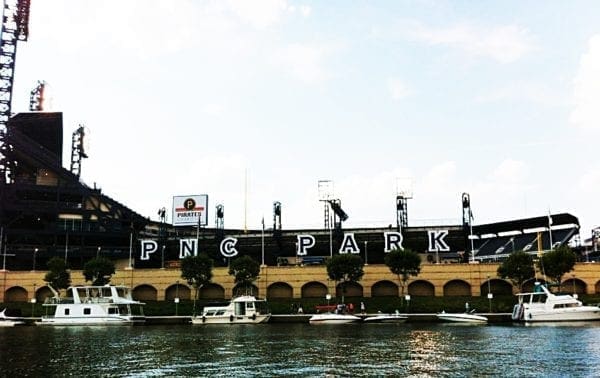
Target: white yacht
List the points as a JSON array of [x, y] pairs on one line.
[[245, 309], [543, 306], [9, 321], [93, 305]]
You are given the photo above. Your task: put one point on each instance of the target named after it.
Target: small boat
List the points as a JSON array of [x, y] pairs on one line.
[[543, 306], [9, 321], [333, 318], [245, 309], [466, 317], [387, 318], [93, 305]]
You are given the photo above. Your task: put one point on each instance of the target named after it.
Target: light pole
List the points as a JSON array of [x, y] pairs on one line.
[[35, 251], [162, 264], [366, 254], [489, 295], [33, 300], [574, 290], [177, 298], [98, 252]]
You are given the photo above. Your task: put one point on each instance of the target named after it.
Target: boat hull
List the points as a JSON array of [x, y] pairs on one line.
[[333, 319], [87, 321], [463, 318], [386, 319], [562, 316], [231, 319]]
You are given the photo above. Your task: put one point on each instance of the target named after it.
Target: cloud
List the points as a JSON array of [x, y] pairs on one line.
[[505, 44], [302, 61], [261, 14], [522, 92], [398, 89], [586, 113]]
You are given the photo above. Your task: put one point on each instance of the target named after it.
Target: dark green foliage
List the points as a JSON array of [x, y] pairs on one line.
[[556, 263], [197, 271], [518, 268], [99, 270], [245, 270], [58, 277], [403, 263], [345, 268]]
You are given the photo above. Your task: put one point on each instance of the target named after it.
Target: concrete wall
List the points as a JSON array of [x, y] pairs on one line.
[[447, 279]]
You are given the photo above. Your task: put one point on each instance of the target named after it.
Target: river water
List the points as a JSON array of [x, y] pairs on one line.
[[302, 350]]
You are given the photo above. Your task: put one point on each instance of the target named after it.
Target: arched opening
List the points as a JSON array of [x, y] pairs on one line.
[[245, 290], [280, 290], [384, 289], [42, 293], [597, 287], [456, 288], [177, 291], [314, 290], [212, 291], [353, 289], [573, 286], [16, 294], [496, 287], [144, 293], [421, 288]]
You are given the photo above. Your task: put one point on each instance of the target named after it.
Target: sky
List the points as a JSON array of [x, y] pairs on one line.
[[253, 102]]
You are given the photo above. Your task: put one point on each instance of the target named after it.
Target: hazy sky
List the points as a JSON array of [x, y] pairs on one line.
[[500, 99]]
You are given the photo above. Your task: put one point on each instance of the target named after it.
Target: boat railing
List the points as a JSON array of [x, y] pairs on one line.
[[57, 300]]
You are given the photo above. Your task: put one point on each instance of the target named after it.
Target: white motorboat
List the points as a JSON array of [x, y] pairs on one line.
[[241, 310], [465, 317], [387, 318], [9, 321], [93, 305], [333, 318], [543, 306]]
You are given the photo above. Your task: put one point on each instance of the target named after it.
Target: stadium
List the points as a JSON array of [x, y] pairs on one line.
[[47, 211]]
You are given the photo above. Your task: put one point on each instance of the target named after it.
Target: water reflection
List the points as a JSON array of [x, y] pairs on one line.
[[300, 350]]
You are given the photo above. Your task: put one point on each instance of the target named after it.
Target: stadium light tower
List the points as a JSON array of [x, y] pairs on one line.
[[404, 192]]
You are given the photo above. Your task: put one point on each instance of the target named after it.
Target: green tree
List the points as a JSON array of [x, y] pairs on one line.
[[99, 270], [344, 269], [58, 277], [245, 270], [197, 271], [556, 263], [518, 268], [403, 263]]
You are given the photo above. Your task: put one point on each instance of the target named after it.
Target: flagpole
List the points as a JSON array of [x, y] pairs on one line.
[[262, 241], [550, 229]]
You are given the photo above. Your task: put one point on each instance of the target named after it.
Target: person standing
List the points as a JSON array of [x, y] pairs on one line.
[[362, 308]]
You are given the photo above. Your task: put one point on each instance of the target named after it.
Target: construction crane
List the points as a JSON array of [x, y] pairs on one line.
[[15, 27]]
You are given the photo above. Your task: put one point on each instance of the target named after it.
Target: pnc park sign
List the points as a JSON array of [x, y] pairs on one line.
[[304, 242]]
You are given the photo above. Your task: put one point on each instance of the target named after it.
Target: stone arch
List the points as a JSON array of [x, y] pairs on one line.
[[457, 288], [421, 288], [212, 291], [353, 289], [574, 286], [16, 294], [280, 290], [177, 290], [314, 290], [384, 288], [42, 293], [496, 287], [245, 290], [145, 293], [597, 287]]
